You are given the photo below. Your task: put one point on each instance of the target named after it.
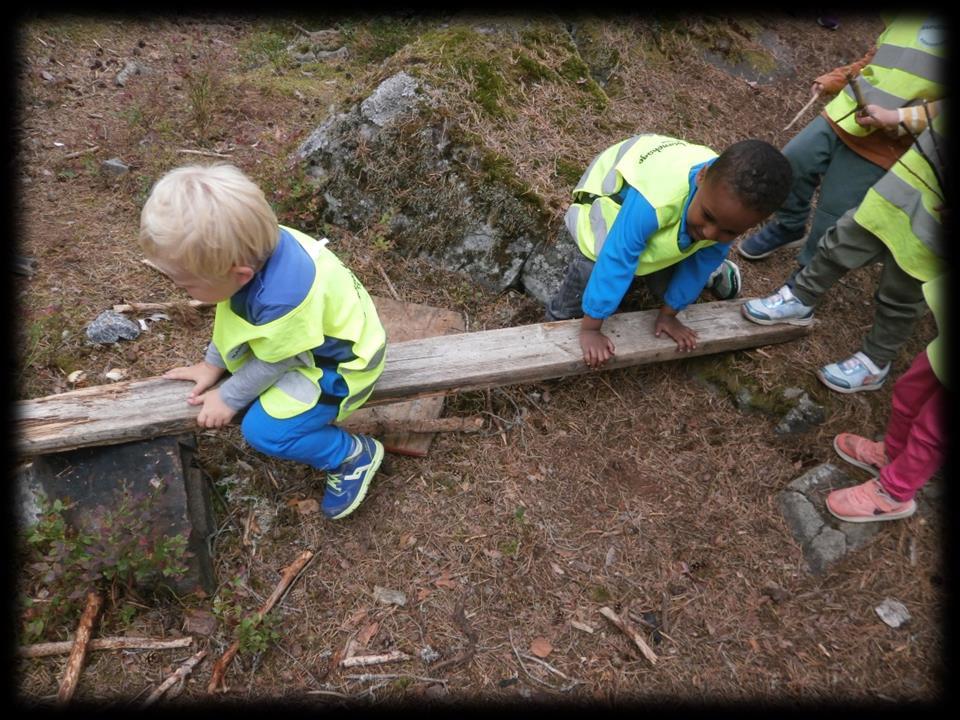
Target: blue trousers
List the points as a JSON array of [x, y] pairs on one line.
[[309, 437]]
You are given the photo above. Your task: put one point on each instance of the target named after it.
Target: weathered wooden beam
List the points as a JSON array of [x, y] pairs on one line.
[[138, 409]]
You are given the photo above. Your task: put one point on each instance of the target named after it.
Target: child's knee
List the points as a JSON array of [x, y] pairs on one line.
[[264, 433]]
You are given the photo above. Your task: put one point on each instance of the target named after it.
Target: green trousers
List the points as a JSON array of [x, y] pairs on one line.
[[819, 157], [898, 300]]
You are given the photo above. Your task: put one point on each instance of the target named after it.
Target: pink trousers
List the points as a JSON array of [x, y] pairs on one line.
[[916, 436]]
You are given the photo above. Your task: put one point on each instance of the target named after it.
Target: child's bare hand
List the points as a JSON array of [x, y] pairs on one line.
[[685, 337], [877, 116], [203, 374], [597, 348], [215, 413]]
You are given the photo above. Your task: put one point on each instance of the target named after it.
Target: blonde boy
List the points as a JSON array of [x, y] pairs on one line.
[[296, 330]]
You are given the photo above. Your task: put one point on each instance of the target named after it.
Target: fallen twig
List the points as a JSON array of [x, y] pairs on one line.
[[631, 633], [205, 153], [146, 307], [111, 643], [393, 290], [78, 652], [368, 677], [179, 675], [356, 660], [535, 679], [78, 153], [290, 573], [551, 668]]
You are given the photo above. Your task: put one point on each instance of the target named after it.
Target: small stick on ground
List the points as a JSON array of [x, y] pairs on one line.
[[370, 677], [109, 643], [631, 633], [78, 153], [364, 660], [290, 573], [146, 307], [78, 652], [205, 153], [179, 675], [393, 290]]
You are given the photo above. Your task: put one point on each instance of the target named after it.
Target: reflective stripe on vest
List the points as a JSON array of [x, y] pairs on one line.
[[909, 65], [658, 167], [899, 208], [337, 305]]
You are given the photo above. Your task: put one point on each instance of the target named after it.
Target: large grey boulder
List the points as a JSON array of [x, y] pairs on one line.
[[395, 169]]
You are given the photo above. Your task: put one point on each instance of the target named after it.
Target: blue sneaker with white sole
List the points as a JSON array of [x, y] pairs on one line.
[[855, 374], [766, 240], [347, 486], [782, 307]]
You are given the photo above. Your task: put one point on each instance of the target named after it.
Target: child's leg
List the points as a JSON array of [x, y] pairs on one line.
[[309, 437], [843, 247], [567, 303], [844, 184], [898, 303], [911, 393], [809, 152]]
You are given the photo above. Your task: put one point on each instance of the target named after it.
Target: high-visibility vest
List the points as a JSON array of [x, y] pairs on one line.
[[899, 208], [336, 306], [658, 167], [934, 292], [909, 65]]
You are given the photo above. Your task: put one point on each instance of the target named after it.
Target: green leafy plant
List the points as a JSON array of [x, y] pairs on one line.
[[254, 634], [122, 553]]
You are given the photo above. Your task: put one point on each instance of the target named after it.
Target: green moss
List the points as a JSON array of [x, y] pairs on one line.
[[488, 83], [600, 594], [376, 39], [760, 61], [533, 70], [720, 372], [568, 173]]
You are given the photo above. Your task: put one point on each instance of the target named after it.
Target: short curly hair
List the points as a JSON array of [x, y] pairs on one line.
[[207, 219], [757, 172]]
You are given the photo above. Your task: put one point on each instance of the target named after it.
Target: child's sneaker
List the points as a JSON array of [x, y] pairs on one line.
[[725, 280], [859, 451], [781, 307], [347, 486], [765, 241], [867, 502], [855, 374]]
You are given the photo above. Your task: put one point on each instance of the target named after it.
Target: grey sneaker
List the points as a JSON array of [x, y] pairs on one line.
[[724, 282], [781, 307], [855, 374]]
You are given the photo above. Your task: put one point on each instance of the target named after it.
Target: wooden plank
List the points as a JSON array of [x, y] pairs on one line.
[[137, 409], [408, 321]]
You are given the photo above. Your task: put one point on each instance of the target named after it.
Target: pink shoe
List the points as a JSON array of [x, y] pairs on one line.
[[861, 452], [867, 502]]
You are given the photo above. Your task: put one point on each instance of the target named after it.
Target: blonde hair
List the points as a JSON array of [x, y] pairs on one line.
[[206, 219]]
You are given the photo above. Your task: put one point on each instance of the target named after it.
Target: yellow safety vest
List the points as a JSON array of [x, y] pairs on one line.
[[909, 65], [935, 293], [338, 306], [899, 208], [658, 167]]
